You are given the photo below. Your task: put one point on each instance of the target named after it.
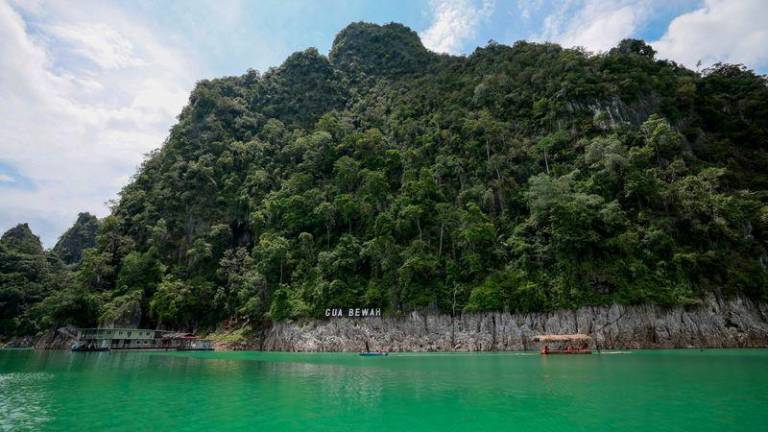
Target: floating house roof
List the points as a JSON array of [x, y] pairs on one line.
[[562, 338]]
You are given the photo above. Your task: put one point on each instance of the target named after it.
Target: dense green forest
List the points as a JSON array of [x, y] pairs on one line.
[[522, 178]]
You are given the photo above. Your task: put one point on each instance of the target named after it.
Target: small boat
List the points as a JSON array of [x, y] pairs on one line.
[[546, 351], [374, 354], [564, 344]]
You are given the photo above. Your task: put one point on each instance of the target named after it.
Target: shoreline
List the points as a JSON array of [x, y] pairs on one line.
[[715, 323], [611, 351]]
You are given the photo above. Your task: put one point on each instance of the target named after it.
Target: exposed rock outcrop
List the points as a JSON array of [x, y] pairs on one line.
[[713, 324], [59, 339], [18, 342]]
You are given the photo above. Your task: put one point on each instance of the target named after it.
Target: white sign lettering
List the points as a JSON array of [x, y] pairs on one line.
[[352, 312]]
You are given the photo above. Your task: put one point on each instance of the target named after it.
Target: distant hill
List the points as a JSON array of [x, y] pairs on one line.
[[24, 271], [521, 178], [81, 236], [21, 239]]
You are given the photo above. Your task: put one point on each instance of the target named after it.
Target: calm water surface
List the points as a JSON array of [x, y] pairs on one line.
[[711, 390]]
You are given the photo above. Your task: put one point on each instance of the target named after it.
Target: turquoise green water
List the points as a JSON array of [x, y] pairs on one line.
[[713, 390]]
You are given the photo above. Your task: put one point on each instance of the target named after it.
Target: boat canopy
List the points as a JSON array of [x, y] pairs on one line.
[[562, 338]]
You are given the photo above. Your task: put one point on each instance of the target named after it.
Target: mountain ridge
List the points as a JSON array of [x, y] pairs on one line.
[[523, 178]]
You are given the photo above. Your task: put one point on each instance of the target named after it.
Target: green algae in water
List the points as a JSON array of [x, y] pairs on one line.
[[686, 390]]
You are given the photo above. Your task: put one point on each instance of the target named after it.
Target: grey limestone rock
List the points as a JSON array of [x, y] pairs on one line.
[[714, 323]]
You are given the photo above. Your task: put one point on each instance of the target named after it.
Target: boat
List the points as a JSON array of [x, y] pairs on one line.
[[564, 344], [374, 354]]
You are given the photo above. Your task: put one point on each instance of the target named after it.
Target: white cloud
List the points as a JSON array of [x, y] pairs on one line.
[[596, 25], [87, 91], [98, 43], [731, 31], [525, 7], [5, 178], [454, 21]]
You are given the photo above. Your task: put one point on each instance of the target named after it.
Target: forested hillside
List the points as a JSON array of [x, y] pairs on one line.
[[81, 236], [521, 178]]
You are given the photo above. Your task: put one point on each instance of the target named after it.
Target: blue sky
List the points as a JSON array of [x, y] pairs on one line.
[[89, 87]]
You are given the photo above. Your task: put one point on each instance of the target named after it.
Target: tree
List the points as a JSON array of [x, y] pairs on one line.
[[634, 46]]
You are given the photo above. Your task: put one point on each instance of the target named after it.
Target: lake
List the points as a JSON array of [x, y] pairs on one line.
[[684, 390]]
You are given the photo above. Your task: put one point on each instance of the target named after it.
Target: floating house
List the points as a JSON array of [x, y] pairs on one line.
[[107, 339]]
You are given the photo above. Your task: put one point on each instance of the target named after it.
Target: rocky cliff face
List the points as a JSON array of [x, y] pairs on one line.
[[59, 339], [54, 339], [714, 324]]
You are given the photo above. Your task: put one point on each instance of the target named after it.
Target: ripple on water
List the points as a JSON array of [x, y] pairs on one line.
[[22, 401]]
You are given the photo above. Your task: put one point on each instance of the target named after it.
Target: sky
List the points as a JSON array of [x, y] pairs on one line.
[[89, 87]]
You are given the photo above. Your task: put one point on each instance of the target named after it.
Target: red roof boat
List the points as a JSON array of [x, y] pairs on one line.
[[564, 344]]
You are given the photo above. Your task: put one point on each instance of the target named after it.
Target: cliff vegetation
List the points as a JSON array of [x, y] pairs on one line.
[[518, 178]]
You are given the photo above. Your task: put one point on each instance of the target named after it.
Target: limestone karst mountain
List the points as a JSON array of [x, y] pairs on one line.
[[521, 178]]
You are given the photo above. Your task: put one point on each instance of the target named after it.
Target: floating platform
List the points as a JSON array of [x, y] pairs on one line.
[[580, 351], [373, 354], [81, 348]]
